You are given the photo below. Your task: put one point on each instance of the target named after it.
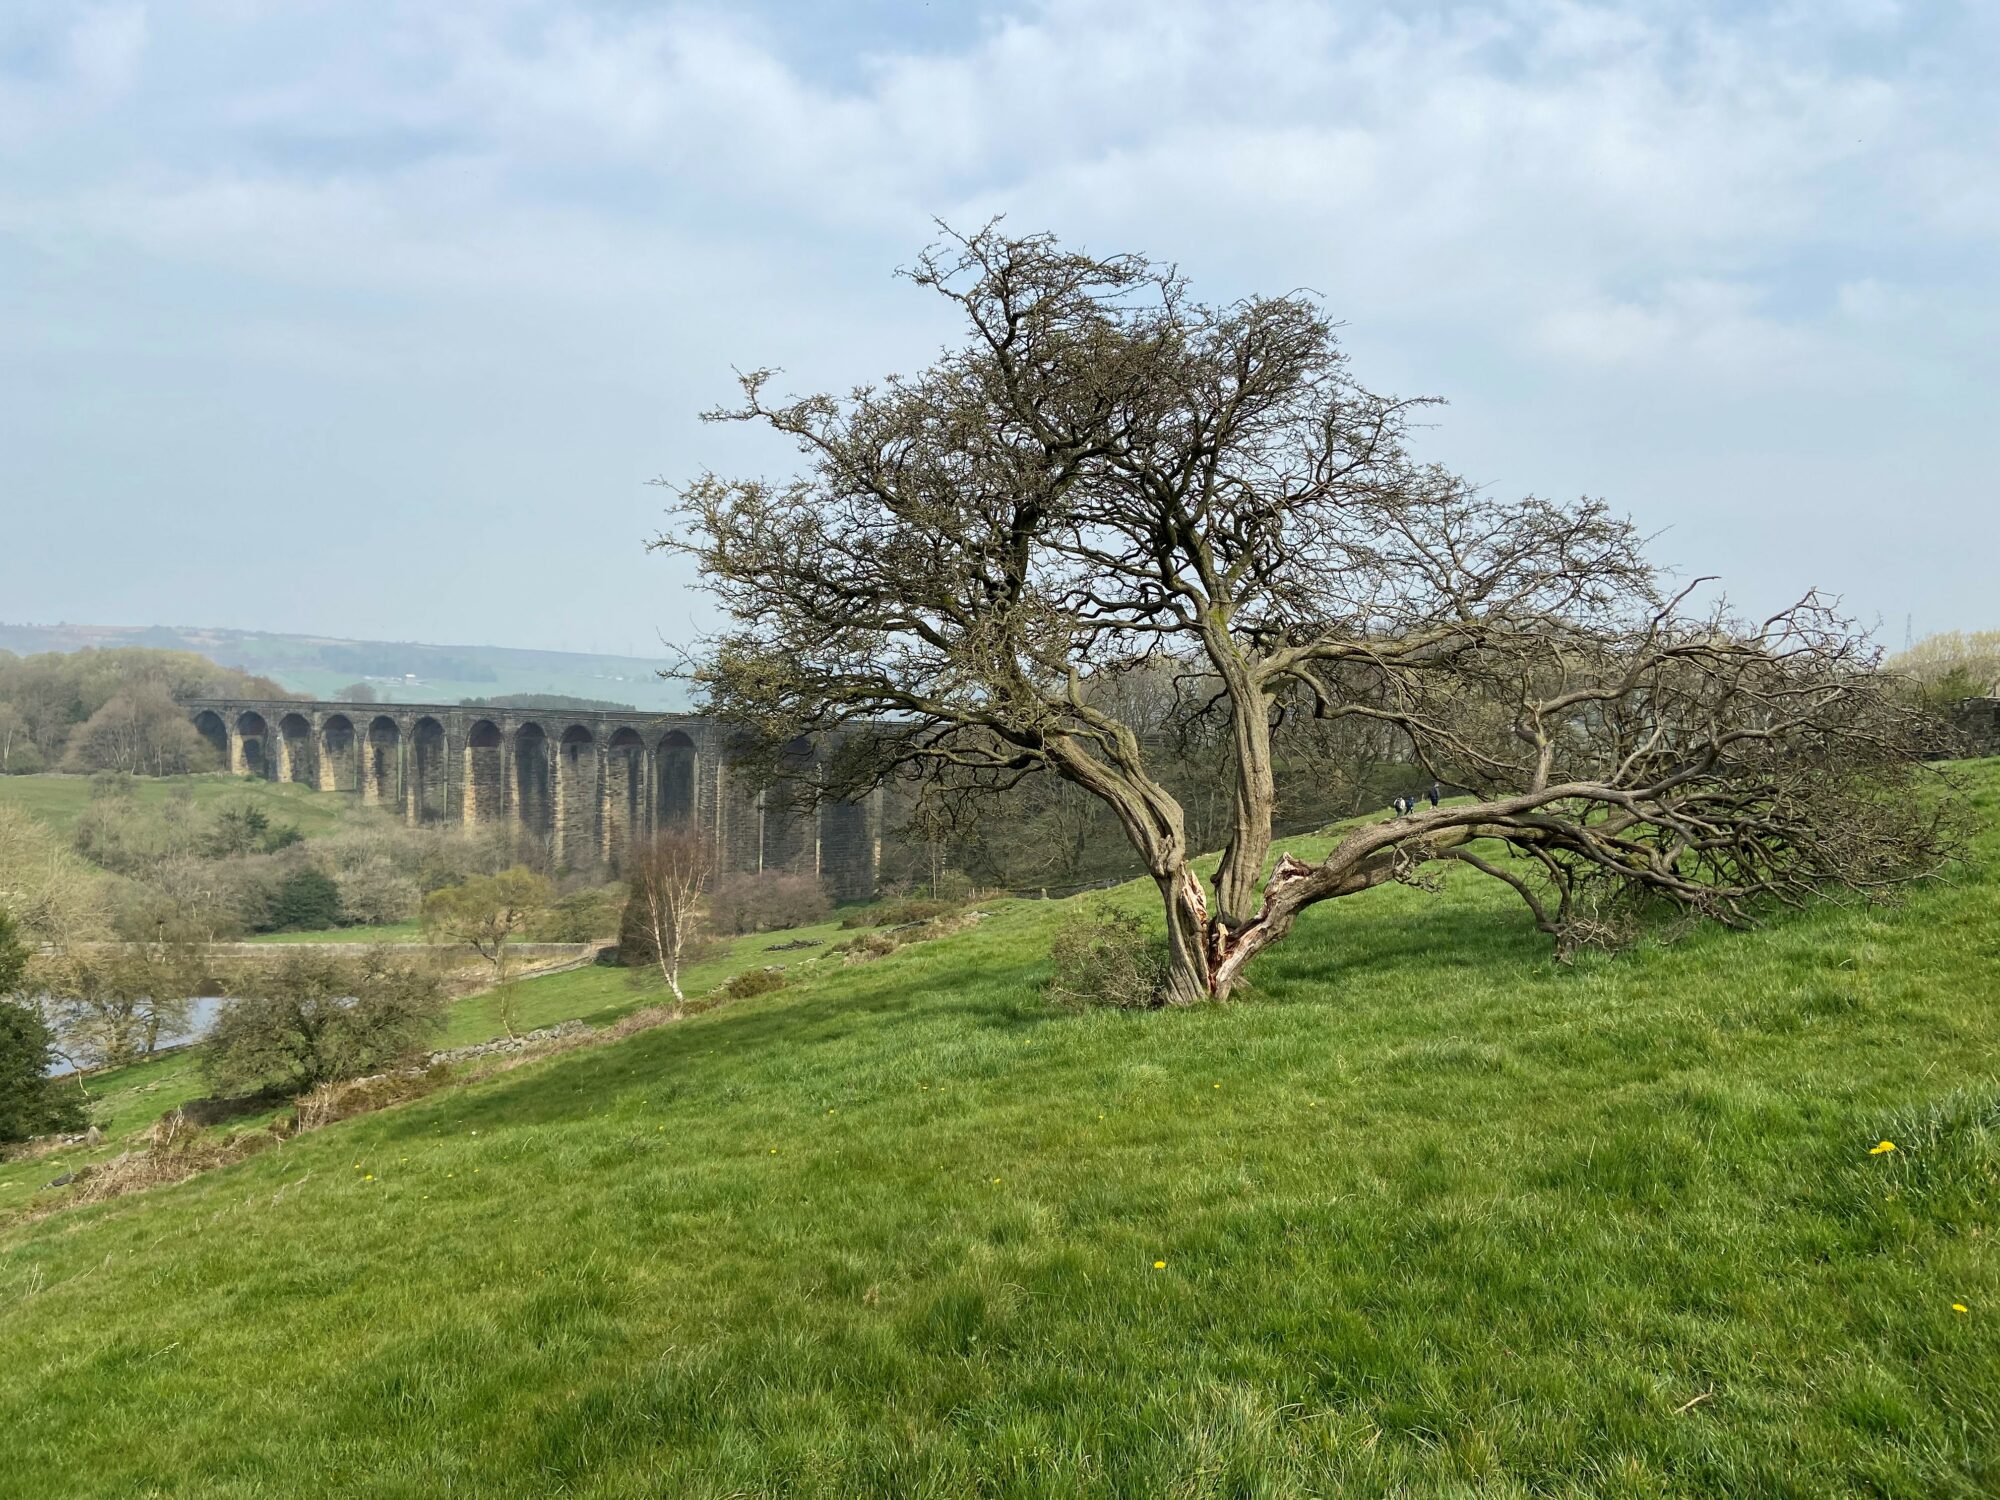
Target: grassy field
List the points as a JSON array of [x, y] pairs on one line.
[[1427, 1214], [57, 800], [411, 931], [127, 1100]]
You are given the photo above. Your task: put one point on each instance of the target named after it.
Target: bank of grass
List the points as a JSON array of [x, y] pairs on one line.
[[1427, 1214], [389, 932], [601, 995], [127, 1100], [58, 800]]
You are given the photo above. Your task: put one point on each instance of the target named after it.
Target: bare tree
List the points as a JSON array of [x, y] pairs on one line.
[[668, 874], [114, 1005], [1110, 475], [485, 913], [140, 730], [13, 732]]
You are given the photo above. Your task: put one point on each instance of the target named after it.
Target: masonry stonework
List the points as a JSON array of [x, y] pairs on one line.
[[584, 785], [1978, 721]]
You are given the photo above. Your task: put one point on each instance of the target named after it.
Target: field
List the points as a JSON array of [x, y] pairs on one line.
[[411, 931], [1426, 1214], [57, 800], [131, 1098]]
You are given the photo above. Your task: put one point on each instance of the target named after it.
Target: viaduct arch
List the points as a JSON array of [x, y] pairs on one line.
[[586, 785]]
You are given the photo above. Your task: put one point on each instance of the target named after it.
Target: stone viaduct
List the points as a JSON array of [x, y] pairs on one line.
[[1978, 720], [584, 785]]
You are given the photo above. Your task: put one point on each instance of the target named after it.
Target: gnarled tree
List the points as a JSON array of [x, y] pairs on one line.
[[1110, 474]]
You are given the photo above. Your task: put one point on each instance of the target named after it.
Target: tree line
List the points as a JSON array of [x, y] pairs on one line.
[[118, 709]]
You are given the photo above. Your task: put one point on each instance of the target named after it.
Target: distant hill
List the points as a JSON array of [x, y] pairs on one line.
[[549, 700], [399, 671]]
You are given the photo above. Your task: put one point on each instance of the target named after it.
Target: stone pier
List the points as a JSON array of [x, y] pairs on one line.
[[584, 785]]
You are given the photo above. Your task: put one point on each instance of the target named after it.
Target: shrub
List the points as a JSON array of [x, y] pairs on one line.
[[376, 893], [953, 886], [31, 1102], [114, 1005], [1106, 957], [308, 900], [763, 903], [753, 982], [897, 913], [635, 941], [882, 940], [324, 1019], [580, 917], [246, 892]]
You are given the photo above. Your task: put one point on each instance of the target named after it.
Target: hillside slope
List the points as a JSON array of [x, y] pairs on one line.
[[60, 800], [1427, 1214]]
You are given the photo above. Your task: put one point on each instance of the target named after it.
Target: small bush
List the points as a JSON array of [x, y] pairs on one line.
[[31, 1102], [580, 917], [883, 940], [113, 786], [377, 893], [322, 1019], [764, 903], [307, 901], [870, 944], [897, 913], [1106, 957], [954, 887], [753, 982], [637, 950]]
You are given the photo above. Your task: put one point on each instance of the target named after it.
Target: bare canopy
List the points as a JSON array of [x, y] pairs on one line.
[[1109, 475]]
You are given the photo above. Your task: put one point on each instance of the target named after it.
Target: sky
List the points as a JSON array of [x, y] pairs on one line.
[[374, 318]]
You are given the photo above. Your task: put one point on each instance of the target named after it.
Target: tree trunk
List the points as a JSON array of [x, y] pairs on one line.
[[1187, 937], [1241, 871]]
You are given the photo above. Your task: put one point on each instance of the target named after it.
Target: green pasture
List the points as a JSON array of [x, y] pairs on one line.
[[1424, 1214]]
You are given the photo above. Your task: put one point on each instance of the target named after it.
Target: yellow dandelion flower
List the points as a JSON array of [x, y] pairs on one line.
[[1159, 1265], [370, 1177], [1959, 1307], [1880, 1149]]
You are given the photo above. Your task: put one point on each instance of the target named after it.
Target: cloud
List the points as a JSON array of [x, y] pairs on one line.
[[105, 46], [1557, 212], [60, 64]]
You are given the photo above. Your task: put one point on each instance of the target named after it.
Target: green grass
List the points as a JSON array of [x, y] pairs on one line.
[[128, 1100], [1425, 1215], [602, 995], [411, 931], [57, 800]]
